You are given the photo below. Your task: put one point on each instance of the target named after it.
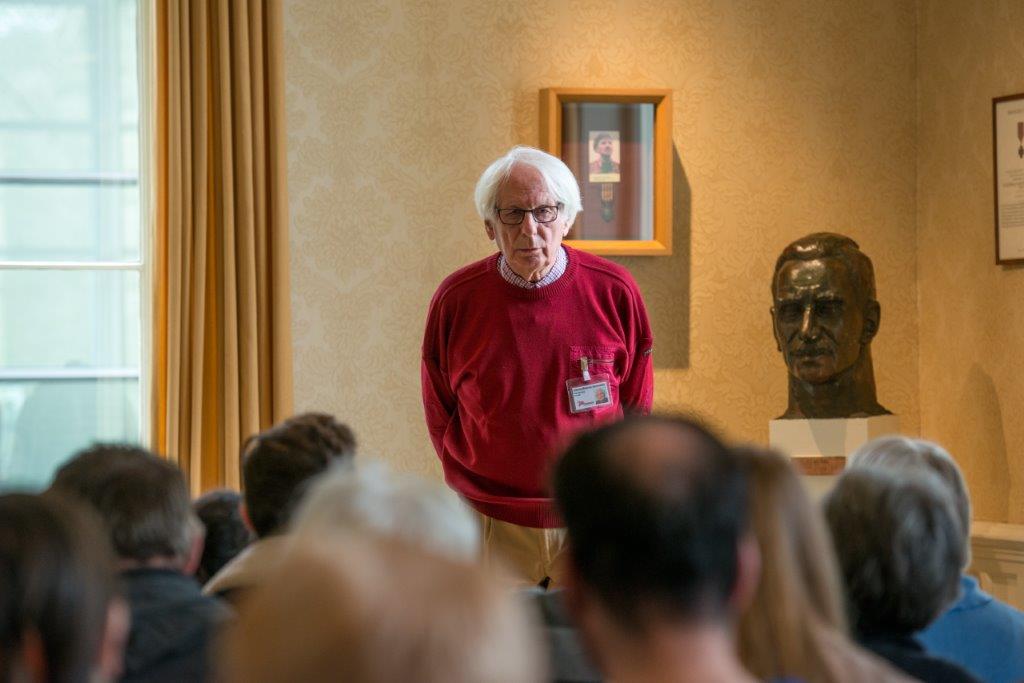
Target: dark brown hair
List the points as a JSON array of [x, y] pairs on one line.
[[280, 462], [142, 499], [56, 580]]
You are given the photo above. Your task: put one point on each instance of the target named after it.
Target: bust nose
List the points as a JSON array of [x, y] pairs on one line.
[[809, 328]]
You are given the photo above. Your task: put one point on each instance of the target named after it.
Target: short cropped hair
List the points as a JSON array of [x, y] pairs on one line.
[[655, 508], [379, 610], [904, 454], [899, 545], [370, 498], [57, 581], [141, 498], [599, 137], [226, 532], [279, 463], [560, 181], [821, 245]]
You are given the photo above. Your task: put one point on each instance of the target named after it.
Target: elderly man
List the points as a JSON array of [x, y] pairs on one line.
[[523, 349]]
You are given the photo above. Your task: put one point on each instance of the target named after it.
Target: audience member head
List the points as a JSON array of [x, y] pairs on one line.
[[899, 545], [380, 610], [142, 500], [370, 498], [799, 594], [226, 532], [903, 454], [656, 511], [61, 619], [280, 462]]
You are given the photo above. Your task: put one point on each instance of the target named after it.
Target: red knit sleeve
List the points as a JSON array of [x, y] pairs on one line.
[[636, 392], [438, 398]]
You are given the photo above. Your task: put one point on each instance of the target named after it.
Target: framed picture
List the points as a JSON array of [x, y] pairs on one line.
[[618, 144], [1008, 159]]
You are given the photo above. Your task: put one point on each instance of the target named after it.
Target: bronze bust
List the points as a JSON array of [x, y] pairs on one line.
[[825, 316]]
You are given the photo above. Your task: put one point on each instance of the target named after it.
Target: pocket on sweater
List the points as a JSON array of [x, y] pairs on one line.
[[601, 360]]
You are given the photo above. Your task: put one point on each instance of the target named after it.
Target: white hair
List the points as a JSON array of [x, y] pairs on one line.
[[904, 454], [559, 180], [369, 498]]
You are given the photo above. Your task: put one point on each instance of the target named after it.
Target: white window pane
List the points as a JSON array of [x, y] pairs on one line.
[[68, 74], [69, 222], [69, 149], [25, 150], [69, 319], [43, 423], [52, 45]]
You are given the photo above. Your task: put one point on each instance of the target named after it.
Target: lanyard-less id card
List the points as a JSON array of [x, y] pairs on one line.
[[589, 392]]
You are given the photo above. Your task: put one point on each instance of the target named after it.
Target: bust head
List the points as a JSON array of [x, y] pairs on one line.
[[824, 316]]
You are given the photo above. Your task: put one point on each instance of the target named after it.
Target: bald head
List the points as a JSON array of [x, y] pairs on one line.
[[655, 509]]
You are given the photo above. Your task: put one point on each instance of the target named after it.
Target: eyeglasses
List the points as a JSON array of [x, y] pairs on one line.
[[541, 214]]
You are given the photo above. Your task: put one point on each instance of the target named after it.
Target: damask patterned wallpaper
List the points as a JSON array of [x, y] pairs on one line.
[[972, 311], [789, 117]]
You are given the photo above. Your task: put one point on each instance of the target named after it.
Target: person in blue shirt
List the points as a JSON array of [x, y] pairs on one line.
[[978, 632]]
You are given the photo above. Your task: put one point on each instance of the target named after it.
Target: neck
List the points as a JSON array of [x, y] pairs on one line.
[[162, 562], [686, 654], [851, 393], [536, 275]]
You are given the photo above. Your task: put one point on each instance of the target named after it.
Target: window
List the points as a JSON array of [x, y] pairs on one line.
[[70, 238]]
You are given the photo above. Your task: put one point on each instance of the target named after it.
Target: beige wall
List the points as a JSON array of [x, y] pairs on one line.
[[971, 311], [790, 117]]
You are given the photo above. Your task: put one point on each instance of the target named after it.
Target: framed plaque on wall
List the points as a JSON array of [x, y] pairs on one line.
[[1008, 160], [618, 144]]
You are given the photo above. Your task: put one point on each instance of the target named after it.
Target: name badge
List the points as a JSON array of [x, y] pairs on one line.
[[584, 395]]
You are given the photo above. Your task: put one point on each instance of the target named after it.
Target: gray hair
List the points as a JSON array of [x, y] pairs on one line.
[[559, 180], [142, 499], [369, 498], [905, 455], [899, 545]]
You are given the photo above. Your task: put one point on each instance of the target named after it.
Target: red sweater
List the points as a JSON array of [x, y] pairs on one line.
[[496, 358]]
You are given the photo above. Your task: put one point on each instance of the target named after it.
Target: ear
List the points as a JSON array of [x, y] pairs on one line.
[[748, 574], [33, 656], [110, 661], [775, 330], [490, 230], [243, 512], [872, 316], [195, 554], [585, 614], [573, 598]]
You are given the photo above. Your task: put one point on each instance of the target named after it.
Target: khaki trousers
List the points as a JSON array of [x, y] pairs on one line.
[[533, 556]]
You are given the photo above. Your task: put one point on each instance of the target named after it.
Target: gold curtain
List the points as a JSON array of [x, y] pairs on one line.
[[221, 346]]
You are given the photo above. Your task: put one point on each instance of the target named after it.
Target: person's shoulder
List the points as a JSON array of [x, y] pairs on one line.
[[465, 277], [596, 267]]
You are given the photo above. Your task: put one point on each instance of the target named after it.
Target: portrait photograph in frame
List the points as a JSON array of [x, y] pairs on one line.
[[1008, 177], [618, 144]]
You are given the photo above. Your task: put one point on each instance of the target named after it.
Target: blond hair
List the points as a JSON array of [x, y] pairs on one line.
[[379, 610], [798, 603]]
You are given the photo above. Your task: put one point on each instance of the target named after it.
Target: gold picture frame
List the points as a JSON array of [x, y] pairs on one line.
[[618, 143]]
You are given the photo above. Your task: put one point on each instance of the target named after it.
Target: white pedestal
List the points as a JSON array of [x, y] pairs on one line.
[[826, 444]]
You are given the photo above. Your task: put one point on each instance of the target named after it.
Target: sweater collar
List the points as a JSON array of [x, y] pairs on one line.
[[554, 289]]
